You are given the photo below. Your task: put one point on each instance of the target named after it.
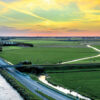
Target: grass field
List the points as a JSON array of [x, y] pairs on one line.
[[48, 42], [86, 82], [92, 60], [45, 55], [97, 46]]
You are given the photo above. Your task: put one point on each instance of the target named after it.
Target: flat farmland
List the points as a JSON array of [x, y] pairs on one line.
[[97, 46], [48, 42], [41, 55], [11, 48], [91, 60], [85, 82]]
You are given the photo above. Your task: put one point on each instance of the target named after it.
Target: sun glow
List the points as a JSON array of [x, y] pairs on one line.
[[59, 17], [48, 1]]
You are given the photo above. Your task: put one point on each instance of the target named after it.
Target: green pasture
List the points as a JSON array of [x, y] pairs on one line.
[[85, 82], [91, 60], [48, 42], [40, 55], [6, 48], [97, 46]]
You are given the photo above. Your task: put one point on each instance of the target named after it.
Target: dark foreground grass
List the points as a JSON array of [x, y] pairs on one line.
[[48, 97], [46, 55], [96, 46], [84, 82]]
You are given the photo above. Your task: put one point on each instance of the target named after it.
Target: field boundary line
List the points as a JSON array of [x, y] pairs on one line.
[[94, 48], [85, 58]]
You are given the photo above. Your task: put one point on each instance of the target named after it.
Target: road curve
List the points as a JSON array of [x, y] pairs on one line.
[[85, 58], [33, 85], [89, 46]]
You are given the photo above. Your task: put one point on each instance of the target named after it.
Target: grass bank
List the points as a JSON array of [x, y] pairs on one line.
[[24, 92], [85, 82], [48, 97]]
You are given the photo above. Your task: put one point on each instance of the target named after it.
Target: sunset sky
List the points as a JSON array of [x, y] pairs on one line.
[[49, 17]]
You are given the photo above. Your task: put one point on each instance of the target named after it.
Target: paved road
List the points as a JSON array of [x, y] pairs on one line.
[[34, 85], [89, 46], [86, 58]]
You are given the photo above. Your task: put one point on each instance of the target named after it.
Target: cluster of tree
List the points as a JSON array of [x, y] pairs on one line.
[[17, 44], [43, 69], [36, 70]]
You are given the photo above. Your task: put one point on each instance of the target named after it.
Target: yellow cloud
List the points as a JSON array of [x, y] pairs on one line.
[[89, 21], [9, 18], [22, 11]]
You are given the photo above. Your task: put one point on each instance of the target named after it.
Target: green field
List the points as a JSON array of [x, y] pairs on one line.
[[47, 42], [91, 60], [11, 48], [97, 46], [46, 55], [40, 55], [84, 82]]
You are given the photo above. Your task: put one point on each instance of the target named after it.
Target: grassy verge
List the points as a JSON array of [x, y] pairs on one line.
[[67, 95], [33, 76], [24, 92], [48, 97], [83, 82]]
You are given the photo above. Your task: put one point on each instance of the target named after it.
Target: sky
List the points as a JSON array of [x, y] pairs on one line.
[[49, 17]]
